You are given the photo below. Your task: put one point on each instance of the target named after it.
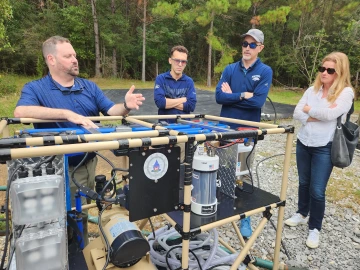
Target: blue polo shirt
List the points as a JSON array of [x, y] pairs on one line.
[[84, 98], [167, 87], [256, 79]]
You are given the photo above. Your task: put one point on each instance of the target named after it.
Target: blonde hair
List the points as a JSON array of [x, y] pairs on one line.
[[342, 67]]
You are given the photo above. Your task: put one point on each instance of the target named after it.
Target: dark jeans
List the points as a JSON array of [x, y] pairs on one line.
[[314, 169]]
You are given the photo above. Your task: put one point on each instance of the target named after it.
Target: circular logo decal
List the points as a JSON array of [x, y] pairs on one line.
[[155, 166]]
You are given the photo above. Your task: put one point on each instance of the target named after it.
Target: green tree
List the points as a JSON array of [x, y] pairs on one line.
[[5, 15]]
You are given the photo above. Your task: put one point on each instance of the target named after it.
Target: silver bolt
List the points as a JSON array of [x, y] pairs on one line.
[[176, 208], [234, 208], [130, 164], [131, 177], [169, 150], [178, 169], [155, 181], [178, 158], [155, 210], [143, 153]]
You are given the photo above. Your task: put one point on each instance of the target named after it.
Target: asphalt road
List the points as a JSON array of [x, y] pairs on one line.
[[206, 104]]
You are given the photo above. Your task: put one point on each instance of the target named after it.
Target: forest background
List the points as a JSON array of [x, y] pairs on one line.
[[131, 39]]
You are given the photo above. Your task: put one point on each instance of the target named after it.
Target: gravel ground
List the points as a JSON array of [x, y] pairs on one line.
[[340, 237]]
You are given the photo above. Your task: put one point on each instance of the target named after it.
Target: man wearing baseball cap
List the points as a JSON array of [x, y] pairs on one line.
[[243, 88]]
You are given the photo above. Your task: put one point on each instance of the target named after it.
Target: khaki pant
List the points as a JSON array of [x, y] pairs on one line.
[[84, 175]]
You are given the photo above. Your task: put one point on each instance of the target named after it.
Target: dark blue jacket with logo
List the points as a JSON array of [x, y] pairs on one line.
[[167, 87], [256, 79]]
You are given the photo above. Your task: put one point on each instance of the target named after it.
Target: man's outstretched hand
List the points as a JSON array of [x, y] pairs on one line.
[[133, 101]]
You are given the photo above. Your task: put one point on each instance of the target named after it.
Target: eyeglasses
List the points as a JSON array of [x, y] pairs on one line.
[[178, 61], [329, 70], [252, 45]]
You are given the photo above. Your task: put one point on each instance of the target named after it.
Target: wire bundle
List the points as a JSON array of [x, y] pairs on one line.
[[204, 253]]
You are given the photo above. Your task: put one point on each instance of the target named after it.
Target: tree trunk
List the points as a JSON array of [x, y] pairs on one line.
[[254, 14], [144, 44], [157, 68], [208, 81], [97, 43], [114, 60]]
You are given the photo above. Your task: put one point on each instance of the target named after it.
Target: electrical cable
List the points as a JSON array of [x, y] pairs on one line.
[[272, 104], [152, 227], [108, 247], [47, 160], [218, 265], [22, 227], [75, 169], [226, 145], [7, 225], [204, 245], [192, 252], [248, 168], [90, 193], [257, 166], [106, 159], [113, 179], [258, 180]]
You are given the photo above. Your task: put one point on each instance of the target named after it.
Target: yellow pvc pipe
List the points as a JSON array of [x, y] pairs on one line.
[[3, 124], [249, 244], [284, 184], [92, 146], [37, 141], [25, 120], [241, 122]]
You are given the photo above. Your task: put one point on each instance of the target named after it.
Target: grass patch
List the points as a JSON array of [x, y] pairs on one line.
[[2, 223], [342, 192], [280, 95], [357, 194], [113, 83]]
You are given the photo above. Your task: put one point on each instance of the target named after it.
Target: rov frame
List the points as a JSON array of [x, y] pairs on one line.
[[15, 148]]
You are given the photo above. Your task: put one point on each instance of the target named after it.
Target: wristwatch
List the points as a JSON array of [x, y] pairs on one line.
[[126, 107], [242, 95]]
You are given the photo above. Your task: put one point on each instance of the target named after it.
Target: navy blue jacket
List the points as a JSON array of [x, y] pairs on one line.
[[167, 87], [257, 79]]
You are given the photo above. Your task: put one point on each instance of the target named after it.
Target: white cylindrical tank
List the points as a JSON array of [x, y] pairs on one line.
[[203, 195]]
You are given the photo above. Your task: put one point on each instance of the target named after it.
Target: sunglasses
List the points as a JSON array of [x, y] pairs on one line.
[[178, 61], [252, 45], [67, 92], [329, 70]]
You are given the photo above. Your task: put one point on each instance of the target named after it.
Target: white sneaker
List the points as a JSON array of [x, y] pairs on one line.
[[313, 238], [296, 219]]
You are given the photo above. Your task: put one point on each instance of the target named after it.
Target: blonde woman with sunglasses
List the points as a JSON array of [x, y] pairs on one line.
[[330, 97]]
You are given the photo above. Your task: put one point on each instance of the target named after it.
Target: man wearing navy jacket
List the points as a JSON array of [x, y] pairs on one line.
[[174, 92], [243, 88]]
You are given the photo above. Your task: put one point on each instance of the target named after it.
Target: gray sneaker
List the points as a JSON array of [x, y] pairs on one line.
[[296, 219]]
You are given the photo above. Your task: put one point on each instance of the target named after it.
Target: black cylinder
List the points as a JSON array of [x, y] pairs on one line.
[[128, 248]]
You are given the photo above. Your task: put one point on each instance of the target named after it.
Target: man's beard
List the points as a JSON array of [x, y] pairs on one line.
[[246, 57], [73, 71]]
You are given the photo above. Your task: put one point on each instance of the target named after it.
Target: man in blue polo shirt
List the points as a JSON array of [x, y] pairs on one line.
[[174, 92], [243, 88], [62, 95]]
